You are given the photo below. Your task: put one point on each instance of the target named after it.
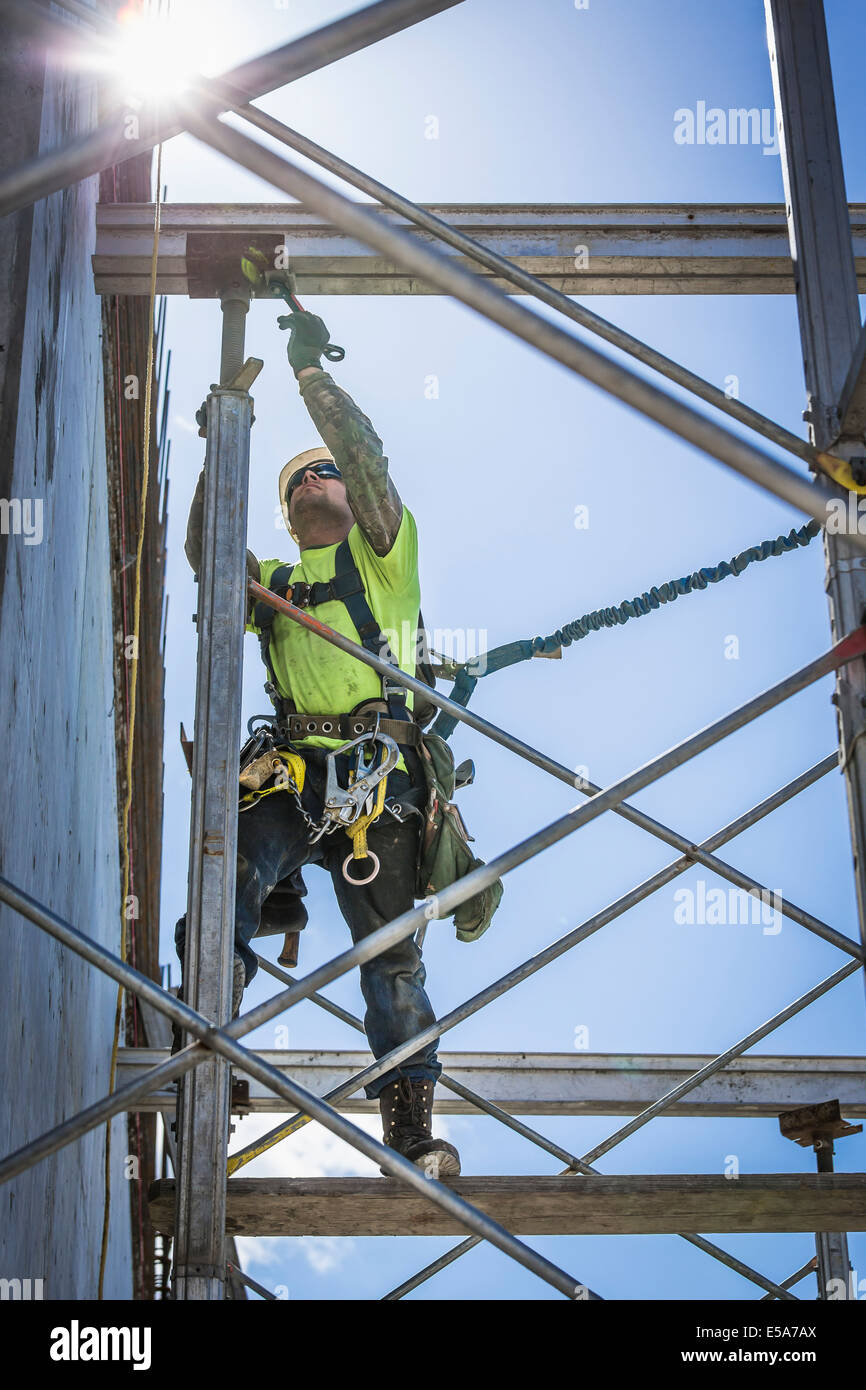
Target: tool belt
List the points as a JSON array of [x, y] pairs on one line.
[[349, 726], [444, 853]]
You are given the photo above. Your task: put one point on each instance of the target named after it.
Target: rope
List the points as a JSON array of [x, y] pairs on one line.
[[667, 593], [136, 624], [510, 653]]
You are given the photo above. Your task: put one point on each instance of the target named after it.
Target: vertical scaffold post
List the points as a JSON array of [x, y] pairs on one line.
[[819, 231], [199, 1264]]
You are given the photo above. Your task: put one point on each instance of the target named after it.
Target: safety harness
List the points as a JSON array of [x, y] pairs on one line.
[[347, 587], [444, 854]]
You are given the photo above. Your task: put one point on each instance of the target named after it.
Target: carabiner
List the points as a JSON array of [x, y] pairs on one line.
[[345, 805]]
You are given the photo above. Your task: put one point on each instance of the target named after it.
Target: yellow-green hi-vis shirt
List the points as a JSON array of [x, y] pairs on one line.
[[319, 677]]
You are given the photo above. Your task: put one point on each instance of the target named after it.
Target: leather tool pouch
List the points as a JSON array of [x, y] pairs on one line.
[[444, 855]]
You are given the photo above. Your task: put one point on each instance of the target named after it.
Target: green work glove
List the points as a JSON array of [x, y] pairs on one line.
[[309, 338]]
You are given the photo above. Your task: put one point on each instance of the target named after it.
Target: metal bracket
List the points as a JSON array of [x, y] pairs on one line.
[[240, 1101], [814, 1126]]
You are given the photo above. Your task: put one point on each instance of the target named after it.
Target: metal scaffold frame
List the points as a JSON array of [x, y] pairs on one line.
[[834, 350]]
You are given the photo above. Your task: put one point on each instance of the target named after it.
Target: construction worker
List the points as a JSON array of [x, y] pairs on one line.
[[344, 513]]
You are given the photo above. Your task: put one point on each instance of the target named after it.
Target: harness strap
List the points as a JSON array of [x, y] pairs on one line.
[[346, 587], [263, 617], [359, 610]]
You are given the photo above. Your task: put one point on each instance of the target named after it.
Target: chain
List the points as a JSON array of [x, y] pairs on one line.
[[316, 830]]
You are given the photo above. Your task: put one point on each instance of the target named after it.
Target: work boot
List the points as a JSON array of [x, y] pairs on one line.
[[407, 1119]]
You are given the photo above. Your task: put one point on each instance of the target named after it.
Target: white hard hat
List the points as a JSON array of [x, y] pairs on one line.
[[297, 465]]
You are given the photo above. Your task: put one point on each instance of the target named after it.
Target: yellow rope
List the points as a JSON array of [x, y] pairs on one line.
[[357, 832], [136, 617]]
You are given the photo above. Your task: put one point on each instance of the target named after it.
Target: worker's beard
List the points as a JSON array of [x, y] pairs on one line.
[[317, 511]]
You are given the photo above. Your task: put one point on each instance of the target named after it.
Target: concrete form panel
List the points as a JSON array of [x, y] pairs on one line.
[[59, 838]]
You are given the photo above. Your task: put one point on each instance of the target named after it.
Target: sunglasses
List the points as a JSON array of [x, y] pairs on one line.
[[322, 470]]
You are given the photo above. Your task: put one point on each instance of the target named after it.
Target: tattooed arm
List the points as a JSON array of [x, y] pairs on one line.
[[357, 450], [192, 547]]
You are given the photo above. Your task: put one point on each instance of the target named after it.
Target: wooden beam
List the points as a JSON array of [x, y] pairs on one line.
[[580, 249], [615, 1205]]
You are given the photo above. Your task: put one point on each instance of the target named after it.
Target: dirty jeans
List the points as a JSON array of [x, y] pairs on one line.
[[272, 843]]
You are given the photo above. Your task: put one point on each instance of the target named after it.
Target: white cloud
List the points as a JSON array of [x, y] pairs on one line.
[[313, 1151], [263, 1252], [268, 1259], [324, 1253], [182, 423]]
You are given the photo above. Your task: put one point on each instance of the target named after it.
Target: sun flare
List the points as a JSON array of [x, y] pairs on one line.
[[153, 57]]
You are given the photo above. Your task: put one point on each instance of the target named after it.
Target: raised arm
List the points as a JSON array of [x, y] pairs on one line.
[[192, 546], [357, 451]]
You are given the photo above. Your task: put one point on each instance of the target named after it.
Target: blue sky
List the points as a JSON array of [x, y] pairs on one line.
[[547, 103]]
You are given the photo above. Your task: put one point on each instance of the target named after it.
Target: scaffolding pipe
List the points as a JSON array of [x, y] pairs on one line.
[[452, 279], [696, 1079], [572, 1162], [478, 1001], [203, 1114], [220, 1042], [530, 284], [126, 1097], [558, 770], [810, 1267], [718, 1063], [250, 1283], [108, 144], [515, 976], [700, 1242], [819, 230]]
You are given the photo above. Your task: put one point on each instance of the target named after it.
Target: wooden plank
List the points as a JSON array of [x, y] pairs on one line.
[[603, 1205], [565, 1083]]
